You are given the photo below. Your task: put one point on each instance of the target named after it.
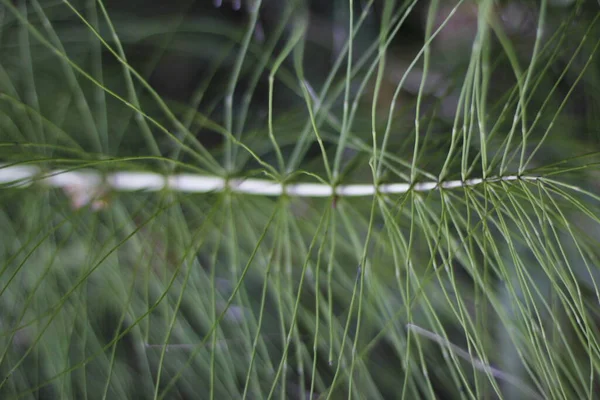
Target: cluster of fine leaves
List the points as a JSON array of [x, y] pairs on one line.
[[470, 291]]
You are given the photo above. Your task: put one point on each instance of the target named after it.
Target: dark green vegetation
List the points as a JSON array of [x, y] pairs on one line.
[[478, 291]]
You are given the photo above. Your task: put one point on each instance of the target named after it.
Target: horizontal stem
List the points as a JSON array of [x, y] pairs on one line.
[[23, 176]]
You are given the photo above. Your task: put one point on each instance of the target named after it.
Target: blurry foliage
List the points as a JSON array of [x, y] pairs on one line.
[[482, 292]]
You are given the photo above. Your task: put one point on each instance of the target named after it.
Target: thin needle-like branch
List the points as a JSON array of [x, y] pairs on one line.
[[477, 363]]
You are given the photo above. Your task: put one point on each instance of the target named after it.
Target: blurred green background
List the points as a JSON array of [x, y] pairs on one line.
[[478, 292]]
